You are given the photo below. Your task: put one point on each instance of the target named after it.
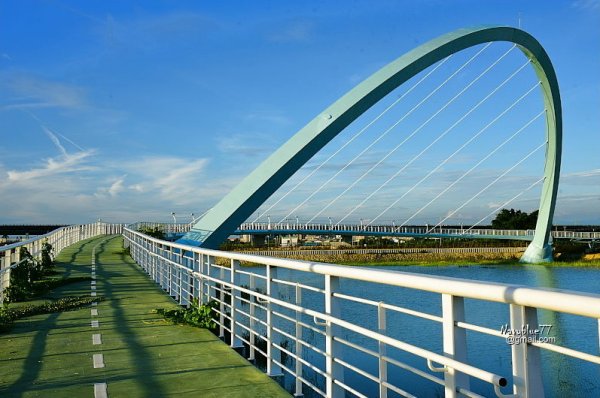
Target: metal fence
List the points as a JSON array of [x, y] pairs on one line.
[[298, 317], [408, 250], [59, 239]]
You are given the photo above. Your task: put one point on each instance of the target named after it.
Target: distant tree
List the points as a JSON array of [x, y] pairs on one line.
[[515, 219], [155, 232]]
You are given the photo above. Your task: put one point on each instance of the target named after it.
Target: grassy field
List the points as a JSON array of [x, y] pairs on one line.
[[440, 259]]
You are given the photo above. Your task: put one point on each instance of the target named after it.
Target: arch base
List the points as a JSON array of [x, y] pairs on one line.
[[537, 254]]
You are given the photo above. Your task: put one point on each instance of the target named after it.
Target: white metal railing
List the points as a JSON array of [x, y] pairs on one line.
[[165, 227], [408, 250], [59, 239], [263, 307], [408, 230], [356, 229]]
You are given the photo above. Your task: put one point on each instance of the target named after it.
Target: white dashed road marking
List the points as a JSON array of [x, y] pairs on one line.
[[98, 361], [96, 339], [100, 390]]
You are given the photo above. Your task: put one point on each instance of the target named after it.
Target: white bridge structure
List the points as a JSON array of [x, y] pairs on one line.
[[298, 316], [299, 310]]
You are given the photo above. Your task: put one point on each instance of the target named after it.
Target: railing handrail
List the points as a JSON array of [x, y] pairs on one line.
[[578, 303], [30, 240]]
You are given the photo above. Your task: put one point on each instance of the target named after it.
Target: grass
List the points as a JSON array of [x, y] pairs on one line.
[[556, 263]]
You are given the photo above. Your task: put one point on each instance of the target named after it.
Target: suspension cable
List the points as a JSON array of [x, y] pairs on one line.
[[493, 182], [475, 166], [390, 129], [395, 175], [505, 204], [418, 129], [355, 136]]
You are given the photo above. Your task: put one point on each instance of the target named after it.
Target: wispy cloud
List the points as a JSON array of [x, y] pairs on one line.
[[247, 144], [587, 5], [583, 174], [55, 140], [30, 92], [67, 163], [149, 31], [116, 186], [293, 31]]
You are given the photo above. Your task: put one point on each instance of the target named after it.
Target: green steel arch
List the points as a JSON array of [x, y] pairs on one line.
[[258, 186]]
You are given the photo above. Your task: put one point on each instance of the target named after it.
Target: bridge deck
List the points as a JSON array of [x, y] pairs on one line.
[[144, 356]]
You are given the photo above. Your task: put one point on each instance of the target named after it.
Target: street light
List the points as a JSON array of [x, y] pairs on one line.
[[174, 219]]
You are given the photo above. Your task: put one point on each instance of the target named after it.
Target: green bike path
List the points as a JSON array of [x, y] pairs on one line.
[[52, 355]]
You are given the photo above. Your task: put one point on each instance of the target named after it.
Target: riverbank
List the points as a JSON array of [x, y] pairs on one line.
[[431, 258]]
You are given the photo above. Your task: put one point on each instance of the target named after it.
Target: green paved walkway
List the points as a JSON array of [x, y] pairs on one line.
[[144, 356]]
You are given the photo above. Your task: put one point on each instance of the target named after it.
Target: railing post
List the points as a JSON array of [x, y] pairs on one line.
[[273, 354], [298, 392], [333, 350], [210, 289], [526, 361], [235, 342], [201, 281], [382, 326], [455, 342], [252, 337], [221, 295], [5, 281]]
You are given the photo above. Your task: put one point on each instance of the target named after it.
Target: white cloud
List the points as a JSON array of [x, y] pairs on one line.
[[63, 164], [32, 92], [586, 173], [116, 187], [55, 140], [587, 5], [293, 31]]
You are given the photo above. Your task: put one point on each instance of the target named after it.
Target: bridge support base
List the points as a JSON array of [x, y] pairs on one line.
[[537, 254]]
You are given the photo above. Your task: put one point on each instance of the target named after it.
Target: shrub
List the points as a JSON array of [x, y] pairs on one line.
[[202, 316], [9, 315]]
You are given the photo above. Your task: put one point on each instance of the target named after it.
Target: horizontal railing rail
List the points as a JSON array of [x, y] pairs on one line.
[[381, 230], [408, 250], [392, 230], [298, 317], [59, 239]]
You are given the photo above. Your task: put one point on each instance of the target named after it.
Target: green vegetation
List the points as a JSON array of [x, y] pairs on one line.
[[155, 232], [202, 316], [8, 314], [515, 219], [25, 279], [47, 258]]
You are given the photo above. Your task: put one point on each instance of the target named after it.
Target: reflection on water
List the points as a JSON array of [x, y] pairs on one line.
[[563, 376]]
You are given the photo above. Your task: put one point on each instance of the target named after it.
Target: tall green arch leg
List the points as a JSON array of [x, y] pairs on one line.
[[258, 186]]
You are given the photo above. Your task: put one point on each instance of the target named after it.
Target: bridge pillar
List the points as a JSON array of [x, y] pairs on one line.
[[537, 254]]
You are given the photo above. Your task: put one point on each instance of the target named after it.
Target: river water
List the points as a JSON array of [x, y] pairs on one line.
[[563, 376]]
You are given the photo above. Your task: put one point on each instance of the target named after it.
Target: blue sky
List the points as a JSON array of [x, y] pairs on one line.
[[129, 110]]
